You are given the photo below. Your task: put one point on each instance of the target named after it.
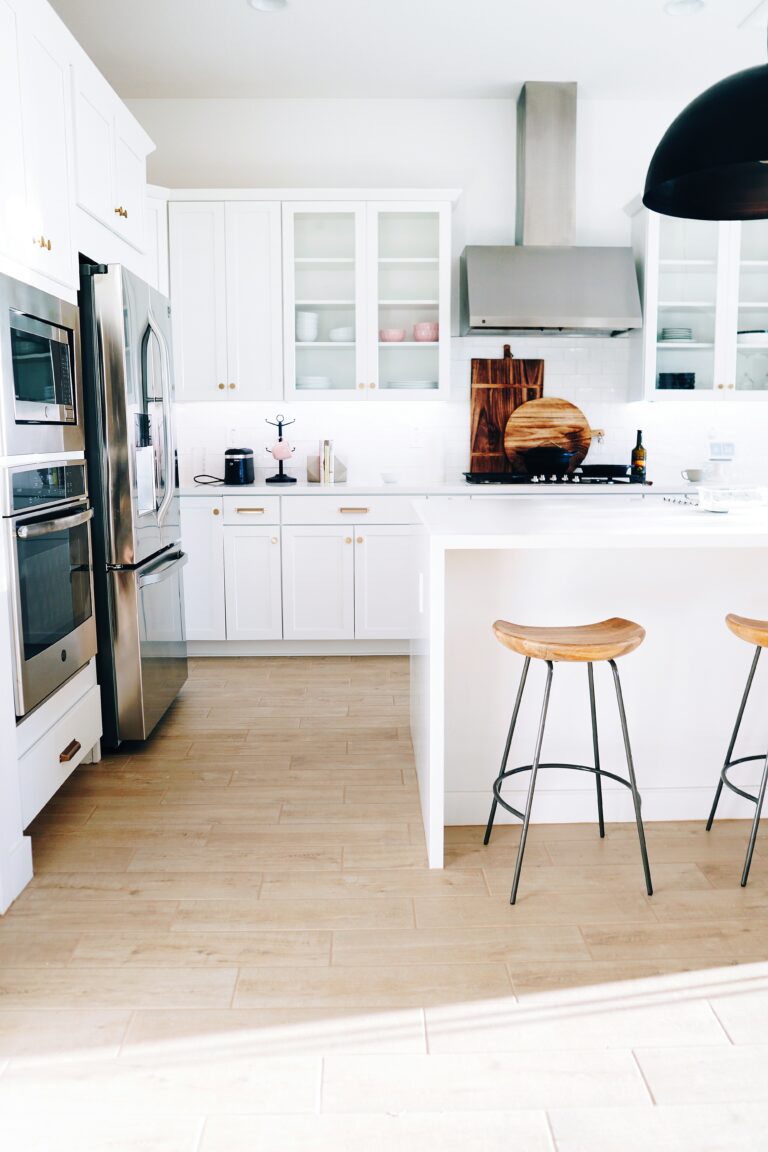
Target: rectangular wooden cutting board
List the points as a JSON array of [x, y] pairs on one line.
[[499, 386]]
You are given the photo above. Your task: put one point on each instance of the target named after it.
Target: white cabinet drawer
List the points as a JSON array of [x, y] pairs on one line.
[[42, 771], [348, 509], [248, 509]]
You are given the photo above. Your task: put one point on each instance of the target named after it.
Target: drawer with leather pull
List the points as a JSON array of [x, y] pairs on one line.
[[348, 509], [247, 509], [46, 765]]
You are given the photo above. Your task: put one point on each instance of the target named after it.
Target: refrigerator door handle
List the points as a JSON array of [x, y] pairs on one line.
[[164, 571], [165, 360]]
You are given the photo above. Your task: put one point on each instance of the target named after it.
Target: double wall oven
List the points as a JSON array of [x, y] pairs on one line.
[[46, 518]]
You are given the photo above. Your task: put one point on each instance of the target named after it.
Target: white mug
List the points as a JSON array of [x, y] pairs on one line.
[[692, 475]]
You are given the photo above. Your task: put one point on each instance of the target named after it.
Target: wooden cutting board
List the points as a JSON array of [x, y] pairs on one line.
[[547, 421], [499, 387]]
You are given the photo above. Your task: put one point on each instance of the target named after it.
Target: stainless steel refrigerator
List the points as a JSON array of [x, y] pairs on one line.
[[138, 559]]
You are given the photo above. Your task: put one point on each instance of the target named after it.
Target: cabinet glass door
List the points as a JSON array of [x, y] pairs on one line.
[[688, 301], [752, 308], [323, 293], [408, 304]]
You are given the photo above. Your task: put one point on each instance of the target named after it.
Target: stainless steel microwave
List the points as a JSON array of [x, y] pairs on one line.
[[40, 379]]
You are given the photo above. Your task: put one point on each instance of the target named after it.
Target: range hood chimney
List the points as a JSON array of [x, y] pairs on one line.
[[543, 283]]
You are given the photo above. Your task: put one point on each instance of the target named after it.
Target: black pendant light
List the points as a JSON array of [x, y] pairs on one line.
[[712, 162]]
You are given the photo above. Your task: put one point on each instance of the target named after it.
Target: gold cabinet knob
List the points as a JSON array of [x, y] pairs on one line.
[[359, 539], [348, 540], [41, 242], [731, 387], [221, 387], [274, 539], [371, 385], [721, 386], [361, 385], [215, 511], [232, 386], [120, 211]]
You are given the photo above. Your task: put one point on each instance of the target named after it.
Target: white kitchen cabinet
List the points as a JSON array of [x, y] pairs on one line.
[[45, 117], [252, 582], [386, 591], [110, 156], [156, 243], [352, 270], [705, 307], [318, 582], [202, 537], [225, 292], [12, 187]]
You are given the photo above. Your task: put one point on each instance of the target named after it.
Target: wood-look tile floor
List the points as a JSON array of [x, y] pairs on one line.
[[232, 941]]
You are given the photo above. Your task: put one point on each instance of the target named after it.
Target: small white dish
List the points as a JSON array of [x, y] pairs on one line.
[[341, 335]]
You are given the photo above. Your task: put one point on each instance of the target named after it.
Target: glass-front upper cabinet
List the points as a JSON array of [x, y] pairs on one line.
[[409, 298], [705, 307], [324, 294], [367, 299], [751, 308]]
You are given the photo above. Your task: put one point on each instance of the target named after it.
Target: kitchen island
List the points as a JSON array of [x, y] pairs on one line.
[[672, 568]]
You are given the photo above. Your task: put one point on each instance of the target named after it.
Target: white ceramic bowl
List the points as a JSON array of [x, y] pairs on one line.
[[341, 335]]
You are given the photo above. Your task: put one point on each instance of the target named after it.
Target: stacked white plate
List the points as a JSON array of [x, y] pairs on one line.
[[313, 382], [421, 385], [756, 336], [676, 334]]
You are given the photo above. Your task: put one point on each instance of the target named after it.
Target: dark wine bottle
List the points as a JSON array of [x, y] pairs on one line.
[[639, 458]]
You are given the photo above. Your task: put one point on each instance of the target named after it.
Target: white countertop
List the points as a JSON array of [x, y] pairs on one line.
[[636, 521], [460, 488]]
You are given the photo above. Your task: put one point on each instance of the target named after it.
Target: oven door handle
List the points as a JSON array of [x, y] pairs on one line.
[[162, 572], [46, 527]]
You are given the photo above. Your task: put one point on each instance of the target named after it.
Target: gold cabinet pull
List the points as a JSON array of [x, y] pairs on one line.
[[361, 385], [347, 539], [221, 387], [731, 387], [251, 511], [41, 242], [352, 511], [360, 539], [274, 539], [371, 385], [70, 751], [122, 212], [215, 511], [721, 386], [233, 385]]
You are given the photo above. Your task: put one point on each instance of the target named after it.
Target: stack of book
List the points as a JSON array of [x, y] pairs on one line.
[[327, 463]]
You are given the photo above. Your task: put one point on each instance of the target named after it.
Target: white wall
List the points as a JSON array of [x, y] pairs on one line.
[[467, 144]]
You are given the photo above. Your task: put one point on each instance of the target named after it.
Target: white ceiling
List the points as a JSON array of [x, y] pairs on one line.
[[413, 48]]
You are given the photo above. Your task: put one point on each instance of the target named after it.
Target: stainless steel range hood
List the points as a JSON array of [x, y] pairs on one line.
[[544, 283]]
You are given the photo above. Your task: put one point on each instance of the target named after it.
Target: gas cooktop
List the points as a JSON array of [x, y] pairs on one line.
[[523, 478]]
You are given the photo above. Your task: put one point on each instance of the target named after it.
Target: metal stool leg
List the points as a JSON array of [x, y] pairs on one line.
[[532, 784], [732, 745], [755, 823], [633, 782], [595, 745], [508, 745]]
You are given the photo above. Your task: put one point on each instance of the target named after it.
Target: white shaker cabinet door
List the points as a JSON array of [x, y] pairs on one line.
[[254, 299], [198, 295], [130, 180], [318, 582], [93, 109], [386, 590], [202, 535], [252, 578], [45, 119], [12, 189]]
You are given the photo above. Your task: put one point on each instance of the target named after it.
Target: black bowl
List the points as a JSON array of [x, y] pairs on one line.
[[547, 460]]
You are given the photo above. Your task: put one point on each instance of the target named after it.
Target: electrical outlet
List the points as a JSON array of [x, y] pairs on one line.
[[722, 450]]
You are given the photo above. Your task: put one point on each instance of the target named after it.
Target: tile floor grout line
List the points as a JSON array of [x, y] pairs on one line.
[[634, 1056]]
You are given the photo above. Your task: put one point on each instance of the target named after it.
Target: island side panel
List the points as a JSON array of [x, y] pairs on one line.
[[682, 687], [428, 694]]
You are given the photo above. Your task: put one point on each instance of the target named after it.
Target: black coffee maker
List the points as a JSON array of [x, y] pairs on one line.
[[238, 466]]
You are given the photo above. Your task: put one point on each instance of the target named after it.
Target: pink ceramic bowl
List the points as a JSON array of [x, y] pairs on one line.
[[427, 330], [391, 335]]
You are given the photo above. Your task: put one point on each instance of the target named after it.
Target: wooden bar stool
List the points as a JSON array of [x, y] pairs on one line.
[[584, 644], [754, 632]]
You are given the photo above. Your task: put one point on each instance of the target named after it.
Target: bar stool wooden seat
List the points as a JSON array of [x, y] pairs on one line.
[[585, 644], [753, 632]]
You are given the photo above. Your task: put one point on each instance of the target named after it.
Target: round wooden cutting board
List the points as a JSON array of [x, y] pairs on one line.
[[547, 421]]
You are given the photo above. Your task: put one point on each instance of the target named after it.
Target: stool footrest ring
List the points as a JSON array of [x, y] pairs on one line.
[[729, 783], [600, 772]]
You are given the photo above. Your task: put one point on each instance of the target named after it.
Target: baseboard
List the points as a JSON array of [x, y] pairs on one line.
[[298, 648], [578, 806], [15, 872]]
